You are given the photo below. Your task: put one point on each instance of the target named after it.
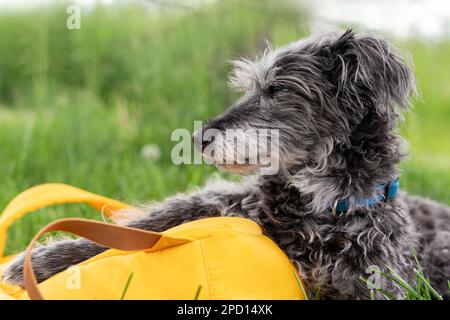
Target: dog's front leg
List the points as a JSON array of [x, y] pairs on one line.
[[54, 258], [210, 202], [51, 259]]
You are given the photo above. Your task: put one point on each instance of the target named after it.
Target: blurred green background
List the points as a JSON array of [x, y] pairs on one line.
[[79, 106]]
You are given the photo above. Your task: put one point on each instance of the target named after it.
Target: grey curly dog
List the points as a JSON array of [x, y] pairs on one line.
[[332, 206]]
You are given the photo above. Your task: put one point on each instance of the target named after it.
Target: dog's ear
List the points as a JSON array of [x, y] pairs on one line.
[[368, 71]]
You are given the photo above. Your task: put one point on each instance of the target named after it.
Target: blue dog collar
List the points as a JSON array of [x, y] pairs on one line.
[[388, 191]]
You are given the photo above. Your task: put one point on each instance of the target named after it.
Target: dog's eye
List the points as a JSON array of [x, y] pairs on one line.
[[272, 89]]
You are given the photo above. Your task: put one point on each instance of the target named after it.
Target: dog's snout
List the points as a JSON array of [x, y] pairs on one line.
[[198, 140]]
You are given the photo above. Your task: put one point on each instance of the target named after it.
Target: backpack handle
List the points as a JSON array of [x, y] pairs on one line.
[[105, 234], [49, 194]]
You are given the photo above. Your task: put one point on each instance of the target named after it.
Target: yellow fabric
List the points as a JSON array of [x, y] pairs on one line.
[[228, 257], [49, 194]]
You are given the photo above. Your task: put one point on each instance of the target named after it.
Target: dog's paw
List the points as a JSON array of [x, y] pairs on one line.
[[13, 273]]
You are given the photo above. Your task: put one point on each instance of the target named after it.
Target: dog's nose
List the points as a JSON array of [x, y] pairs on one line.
[[199, 143]]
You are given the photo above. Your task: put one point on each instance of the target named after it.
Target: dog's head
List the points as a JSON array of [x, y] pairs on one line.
[[319, 95]]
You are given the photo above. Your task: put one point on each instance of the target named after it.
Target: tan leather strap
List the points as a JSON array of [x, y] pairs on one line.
[[51, 194], [108, 235]]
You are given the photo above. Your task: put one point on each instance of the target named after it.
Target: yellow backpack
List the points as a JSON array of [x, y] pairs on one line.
[[212, 258]]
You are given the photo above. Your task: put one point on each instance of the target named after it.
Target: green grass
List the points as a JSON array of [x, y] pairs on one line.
[[127, 285], [418, 289], [427, 172], [197, 293], [81, 104], [78, 106], [302, 289]]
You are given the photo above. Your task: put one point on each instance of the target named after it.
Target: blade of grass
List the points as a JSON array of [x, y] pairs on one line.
[[419, 285], [370, 286], [425, 287], [384, 292], [124, 292], [411, 294], [198, 292], [428, 285], [426, 294], [387, 294], [417, 261], [394, 276], [317, 295], [301, 286]]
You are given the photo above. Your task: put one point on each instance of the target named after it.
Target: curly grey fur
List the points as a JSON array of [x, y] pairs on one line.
[[336, 100]]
